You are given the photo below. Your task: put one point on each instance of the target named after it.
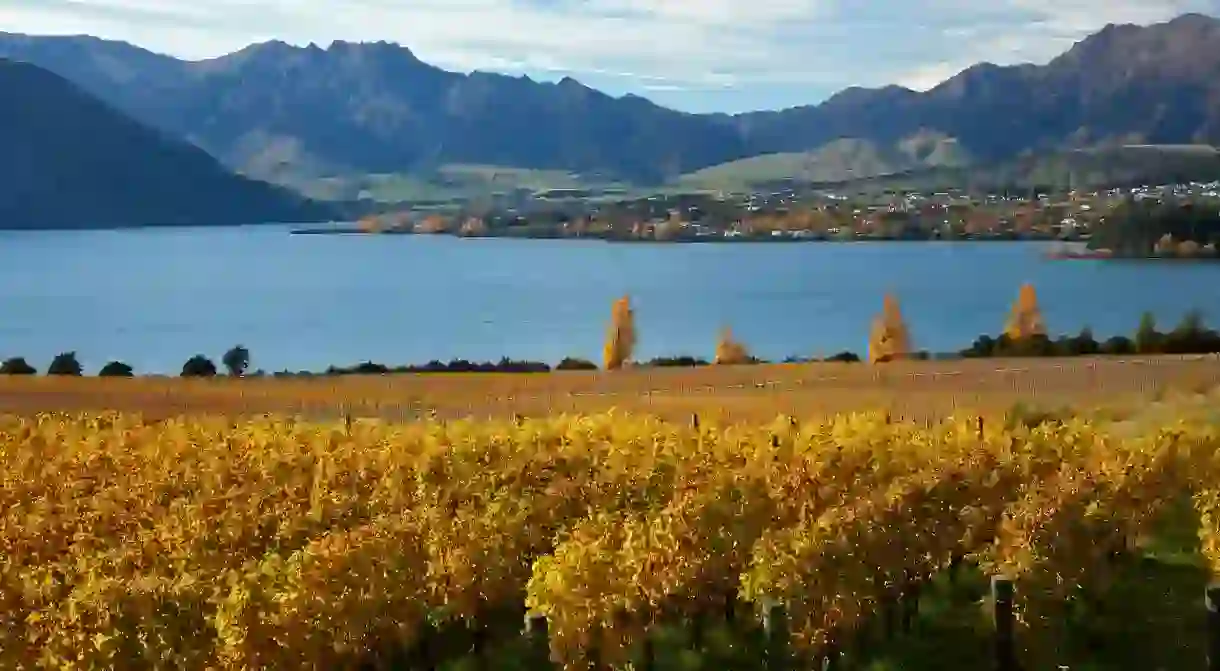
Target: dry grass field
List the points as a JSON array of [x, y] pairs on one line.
[[908, 390]]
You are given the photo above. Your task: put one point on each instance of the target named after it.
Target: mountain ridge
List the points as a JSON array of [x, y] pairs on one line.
[[272, 109], [72, 161]]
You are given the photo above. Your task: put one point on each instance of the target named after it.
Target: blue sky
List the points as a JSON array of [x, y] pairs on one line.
[[696, 55]]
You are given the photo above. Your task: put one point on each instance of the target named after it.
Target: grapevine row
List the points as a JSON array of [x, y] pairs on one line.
[[208, 543]]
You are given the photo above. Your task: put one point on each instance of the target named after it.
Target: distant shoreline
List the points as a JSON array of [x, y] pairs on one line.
[[708, 239]]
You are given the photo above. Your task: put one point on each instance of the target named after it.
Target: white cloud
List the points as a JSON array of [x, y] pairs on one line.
[[928, 76], [808, 48]]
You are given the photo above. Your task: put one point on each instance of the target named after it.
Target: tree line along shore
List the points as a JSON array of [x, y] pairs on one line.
[[1024, 335]]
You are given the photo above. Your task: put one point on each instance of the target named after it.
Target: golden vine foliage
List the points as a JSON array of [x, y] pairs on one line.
[[889, 338], [729, 351], [210, 544], [620, 341], [1025, 319]]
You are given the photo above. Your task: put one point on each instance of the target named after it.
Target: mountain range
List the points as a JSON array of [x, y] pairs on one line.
[[274, 111], [69, 160]]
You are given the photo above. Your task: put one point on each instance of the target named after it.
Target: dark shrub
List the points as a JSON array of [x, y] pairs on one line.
[[1083, 344], [368, 368], [845, 357], [17, 366], [236, 361], [1118, 345], [116, 369], [576, 364], [199, 366], [984, 346], [676, 362], [65, 364]]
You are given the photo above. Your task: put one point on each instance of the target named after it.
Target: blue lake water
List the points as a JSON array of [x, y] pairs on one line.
[[154, 297]]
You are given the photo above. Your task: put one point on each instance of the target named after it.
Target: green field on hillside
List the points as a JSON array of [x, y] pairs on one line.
[[841, 160]]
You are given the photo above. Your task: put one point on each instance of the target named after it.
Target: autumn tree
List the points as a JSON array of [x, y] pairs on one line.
[[620, 341], [889, 339], [431, 225], [670, 228], [369, 225], [578, 227], [473, 227], [730, 352], [1025, 320], [1165, 246]]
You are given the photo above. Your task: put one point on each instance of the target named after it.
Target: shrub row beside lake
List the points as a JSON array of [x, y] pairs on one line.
[[1024, 336], [1189, 337]]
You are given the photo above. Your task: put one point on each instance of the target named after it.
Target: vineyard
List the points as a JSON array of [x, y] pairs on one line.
[[269, 543]]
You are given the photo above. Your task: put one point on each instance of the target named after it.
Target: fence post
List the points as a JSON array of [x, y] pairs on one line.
[[980, 425], [539, 639], [647, 653], [479, 645], [1212, 599], [775, 626], [1001, 605], [421, 653], [831, 659], [694, 421], [910, 601]]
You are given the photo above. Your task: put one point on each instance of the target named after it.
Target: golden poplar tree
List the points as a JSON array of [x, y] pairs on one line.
[[473, 227], [369, 225], [1025, 321], [729, 351], [620, 341], [889, 339]]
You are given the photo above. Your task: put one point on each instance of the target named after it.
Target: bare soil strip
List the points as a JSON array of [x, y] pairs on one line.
[[909, 390]]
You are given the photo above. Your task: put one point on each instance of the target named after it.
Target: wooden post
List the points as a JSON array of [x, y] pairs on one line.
[[889, 611], [980, 427], [648, 655], [860, 642], [539, 639], [347, 423], [421, 653], [694, 421], [478, 646], [1005, 642], [774, 440], [831, 658], [698, 626], [775, 626], [1212, 600], [910, 601]]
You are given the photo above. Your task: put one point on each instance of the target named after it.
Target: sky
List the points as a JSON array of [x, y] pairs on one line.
[[694, 55]]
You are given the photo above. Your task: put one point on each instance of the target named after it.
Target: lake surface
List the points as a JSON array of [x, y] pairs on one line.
[[154, 297]]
